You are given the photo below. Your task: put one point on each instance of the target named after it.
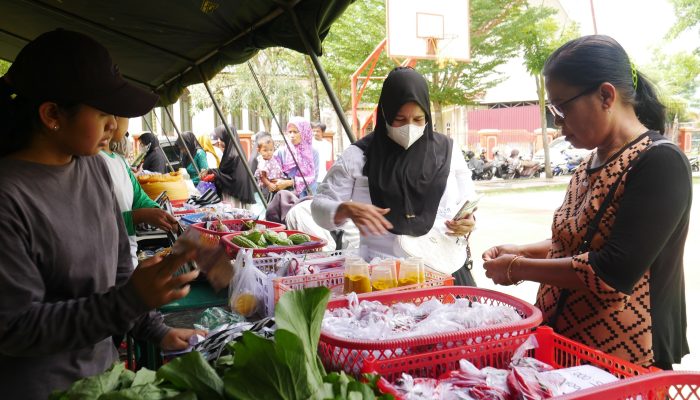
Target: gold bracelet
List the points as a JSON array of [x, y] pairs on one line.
[[508, 271]]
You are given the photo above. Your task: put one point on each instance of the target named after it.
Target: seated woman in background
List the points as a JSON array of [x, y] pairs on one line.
[[155, 160], [231, 179], [191, 150], [300, 150]]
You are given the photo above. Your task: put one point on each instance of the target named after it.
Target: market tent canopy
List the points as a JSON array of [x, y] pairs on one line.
[[160, 43]]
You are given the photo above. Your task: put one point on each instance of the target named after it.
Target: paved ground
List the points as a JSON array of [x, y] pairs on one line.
[[509, 215]]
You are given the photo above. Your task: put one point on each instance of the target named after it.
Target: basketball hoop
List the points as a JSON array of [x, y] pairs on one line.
[[440, 32]]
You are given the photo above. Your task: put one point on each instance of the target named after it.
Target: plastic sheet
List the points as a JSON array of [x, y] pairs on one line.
[[371, 320]]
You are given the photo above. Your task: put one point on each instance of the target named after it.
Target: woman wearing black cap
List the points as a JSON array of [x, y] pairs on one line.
[[402, 181], [66, 282]]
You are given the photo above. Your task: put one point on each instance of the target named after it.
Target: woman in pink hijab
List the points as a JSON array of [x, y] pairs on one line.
[[299, 135]]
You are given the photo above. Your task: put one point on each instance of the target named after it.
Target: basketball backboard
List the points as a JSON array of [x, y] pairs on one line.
[[428, 29]]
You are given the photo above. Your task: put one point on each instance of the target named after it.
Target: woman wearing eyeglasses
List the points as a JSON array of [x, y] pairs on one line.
[[611, 275]]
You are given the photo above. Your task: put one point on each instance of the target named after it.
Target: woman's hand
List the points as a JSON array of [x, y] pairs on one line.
[[178, 338], [154, 217], [497, 269], [498, 251], [154, 282], [368, 218], [203, 173], [461, 227]]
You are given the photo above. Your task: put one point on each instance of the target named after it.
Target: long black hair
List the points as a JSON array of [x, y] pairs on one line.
[[595, 59], [190, 144], [20, 118]]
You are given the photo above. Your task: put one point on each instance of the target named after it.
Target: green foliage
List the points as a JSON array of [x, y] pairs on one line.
[[4, 66], [282, 75], [677, 78], [688, 12], [496, 36], [496, 28], [192, 372], [351, 40], [284, 368]]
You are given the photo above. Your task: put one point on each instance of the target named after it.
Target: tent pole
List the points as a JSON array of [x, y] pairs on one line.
[[274, 117], [234, 138], [172, 121], [161, 149], [322, 75]]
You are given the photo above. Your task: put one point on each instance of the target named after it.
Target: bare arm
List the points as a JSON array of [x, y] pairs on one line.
[[537, 250]]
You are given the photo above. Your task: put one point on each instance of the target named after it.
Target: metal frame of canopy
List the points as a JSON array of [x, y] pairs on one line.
[[283, 7]]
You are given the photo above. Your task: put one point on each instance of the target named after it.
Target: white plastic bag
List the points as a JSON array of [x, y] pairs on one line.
[[247, 290]]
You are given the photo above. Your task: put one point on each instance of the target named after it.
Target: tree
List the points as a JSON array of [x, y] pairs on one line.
[[539, 41], [281, 73], [688, 12], [496, 26], [677, 79], [351, 39], [496, 36]]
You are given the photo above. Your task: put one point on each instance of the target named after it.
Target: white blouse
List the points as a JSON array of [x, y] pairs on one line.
[[345, 182]]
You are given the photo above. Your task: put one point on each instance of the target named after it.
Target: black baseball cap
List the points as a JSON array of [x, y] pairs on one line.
[[68, 66]]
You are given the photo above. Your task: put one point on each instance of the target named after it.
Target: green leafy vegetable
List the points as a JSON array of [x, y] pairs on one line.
[[191, 371], [264, 369], [144, 376], [141, 392], [93, 387]]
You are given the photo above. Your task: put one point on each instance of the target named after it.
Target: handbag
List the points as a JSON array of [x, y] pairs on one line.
[[445, 254]]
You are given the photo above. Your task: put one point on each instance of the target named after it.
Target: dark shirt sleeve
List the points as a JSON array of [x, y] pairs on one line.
[[30, 326], [654, 201], [148, 326]]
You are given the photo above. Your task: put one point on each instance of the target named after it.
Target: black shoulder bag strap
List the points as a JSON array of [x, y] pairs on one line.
[[593, 227]]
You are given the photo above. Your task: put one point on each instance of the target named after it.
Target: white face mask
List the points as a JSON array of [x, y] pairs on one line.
[[405, 135]]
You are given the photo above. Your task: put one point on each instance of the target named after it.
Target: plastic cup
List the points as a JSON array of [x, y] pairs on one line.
[[384, 275], [356, 276], [409, 274]]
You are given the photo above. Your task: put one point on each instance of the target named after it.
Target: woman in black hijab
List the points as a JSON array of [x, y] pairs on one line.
[[232, 182], [402, 180], [155, 160]]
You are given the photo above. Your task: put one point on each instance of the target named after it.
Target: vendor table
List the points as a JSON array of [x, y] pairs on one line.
[[182, 313]]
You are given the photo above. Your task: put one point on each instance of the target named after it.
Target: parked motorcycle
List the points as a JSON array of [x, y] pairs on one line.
[[519, 168], [480, 170], [694, 163]]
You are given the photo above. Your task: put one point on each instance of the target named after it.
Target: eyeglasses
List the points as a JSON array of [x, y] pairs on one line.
[[556, 109]]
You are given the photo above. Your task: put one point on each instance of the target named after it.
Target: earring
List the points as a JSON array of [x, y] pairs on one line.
[[55, 127]]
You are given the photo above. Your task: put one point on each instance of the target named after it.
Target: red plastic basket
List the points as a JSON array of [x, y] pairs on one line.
[[683, 385], [347, 354], [316, 244], [554, 349], [236, 225], [334, 280]]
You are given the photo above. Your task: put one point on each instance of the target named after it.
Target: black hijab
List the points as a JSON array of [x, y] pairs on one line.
[[410, 182], [231, 176], [192, 145], [154, 161]]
